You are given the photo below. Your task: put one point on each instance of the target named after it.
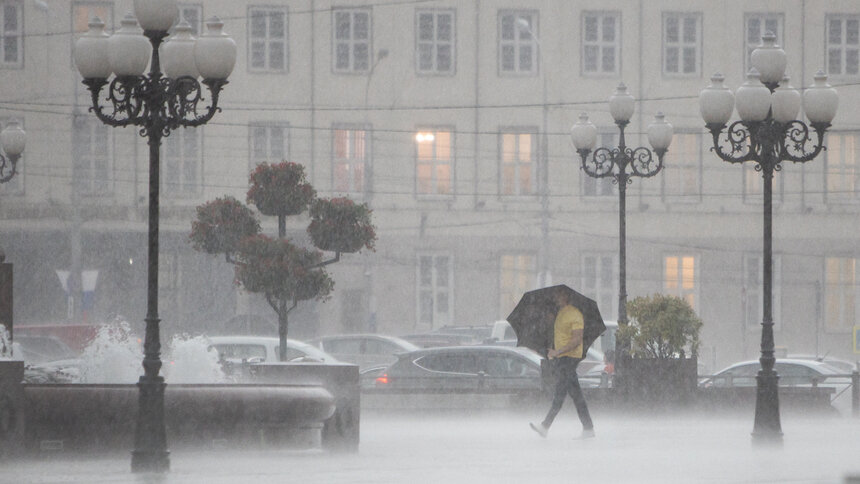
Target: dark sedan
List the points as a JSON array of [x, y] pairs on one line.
[[462, 369]]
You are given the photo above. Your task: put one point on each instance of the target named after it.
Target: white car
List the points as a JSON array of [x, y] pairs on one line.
[[365, 350], [257, 349]]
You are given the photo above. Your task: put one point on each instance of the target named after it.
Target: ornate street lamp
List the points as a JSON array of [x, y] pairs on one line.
[[621, 164], [157, 102], [13, 139], [767, 134]]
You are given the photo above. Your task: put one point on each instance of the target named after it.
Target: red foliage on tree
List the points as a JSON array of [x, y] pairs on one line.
[[341, 225], [280, 189], [221, 224]]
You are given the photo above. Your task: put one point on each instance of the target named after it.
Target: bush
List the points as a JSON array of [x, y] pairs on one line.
[[661, 326]]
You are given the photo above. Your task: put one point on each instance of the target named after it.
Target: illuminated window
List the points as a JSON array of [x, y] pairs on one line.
[[843, 177], [351, 35], [682, 168], [518, 274], [181, 163], [434, 162], [434, 32], [518, 153], [269, 143], [601, 43], [843, 45], [91, 156], [841, 293], [682, 44], [435, 290], [679, 277], [600, 187], [753, 290], [757, 24], [349, 159], [600, 282], [268, 37], [518, 43]]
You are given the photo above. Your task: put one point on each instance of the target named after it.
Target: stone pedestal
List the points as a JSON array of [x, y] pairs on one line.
[[11, 407]]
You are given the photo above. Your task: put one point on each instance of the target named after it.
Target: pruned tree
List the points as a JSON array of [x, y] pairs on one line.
[[280, 270]]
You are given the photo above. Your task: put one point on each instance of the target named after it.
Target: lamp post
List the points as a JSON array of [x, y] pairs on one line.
[[768, 133], [157, 102], [13, 139], [621, 164]]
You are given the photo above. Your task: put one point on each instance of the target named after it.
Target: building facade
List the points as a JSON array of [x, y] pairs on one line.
[[451, 120]]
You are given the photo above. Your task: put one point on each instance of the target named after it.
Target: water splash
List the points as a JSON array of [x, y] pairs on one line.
[[190, 359], [113, 356]]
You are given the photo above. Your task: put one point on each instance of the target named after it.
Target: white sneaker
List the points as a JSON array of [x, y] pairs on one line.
[[587, 434], [540, 429]]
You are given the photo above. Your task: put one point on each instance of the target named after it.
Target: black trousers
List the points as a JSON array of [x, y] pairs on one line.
[[567, 383]]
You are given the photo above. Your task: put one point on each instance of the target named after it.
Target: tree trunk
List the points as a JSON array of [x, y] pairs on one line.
[[283, 322]]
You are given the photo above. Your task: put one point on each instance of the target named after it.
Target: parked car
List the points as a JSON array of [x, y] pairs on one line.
[[432, 340], [364, 350], [476, 334], [844, 366], [463, 369], [38, 349], [257, 349], [792, 373]]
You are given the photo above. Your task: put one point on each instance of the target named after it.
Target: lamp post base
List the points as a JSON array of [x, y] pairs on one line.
[[150, 453], [767, 430], [146, 461]]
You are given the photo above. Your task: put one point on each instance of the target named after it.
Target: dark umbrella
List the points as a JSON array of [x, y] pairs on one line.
[[534, 317]]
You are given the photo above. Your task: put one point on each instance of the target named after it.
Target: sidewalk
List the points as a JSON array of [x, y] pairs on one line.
[[498, 447]]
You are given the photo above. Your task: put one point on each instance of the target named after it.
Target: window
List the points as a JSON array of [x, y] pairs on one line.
[[682, 44], [600, 187], [15, 186], [517, 157], [679, 277], [757, 24], [83, 12], [268, 33], [91, 156], [753, 290], [843, 45], [434, 41], [842, 176], [435, 290], [841, 293], [601, 43], [682, 168], [434, 164], [268, 143], [352, 37], [518, 42], [600, 282], [349, 163], [181, 163], [518, 274], [11, 40], [193, 14]]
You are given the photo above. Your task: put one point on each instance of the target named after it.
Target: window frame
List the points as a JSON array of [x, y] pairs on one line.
[[616, 44], [840, 171], [351, 161], [253, 161], [438, 319], [523, 265], [680, 44], [18, 35], [93, 127], [681, 291], [435, 162], [518, 43], [435, 43], [186, 189], [846, 322], [534, 164], [268, 11], [198, 25], [843, 19], [351, 41], [763, 17], [753, 311], [668, 169]]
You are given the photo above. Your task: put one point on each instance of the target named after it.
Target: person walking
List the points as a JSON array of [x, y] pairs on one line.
[[564, 358]]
